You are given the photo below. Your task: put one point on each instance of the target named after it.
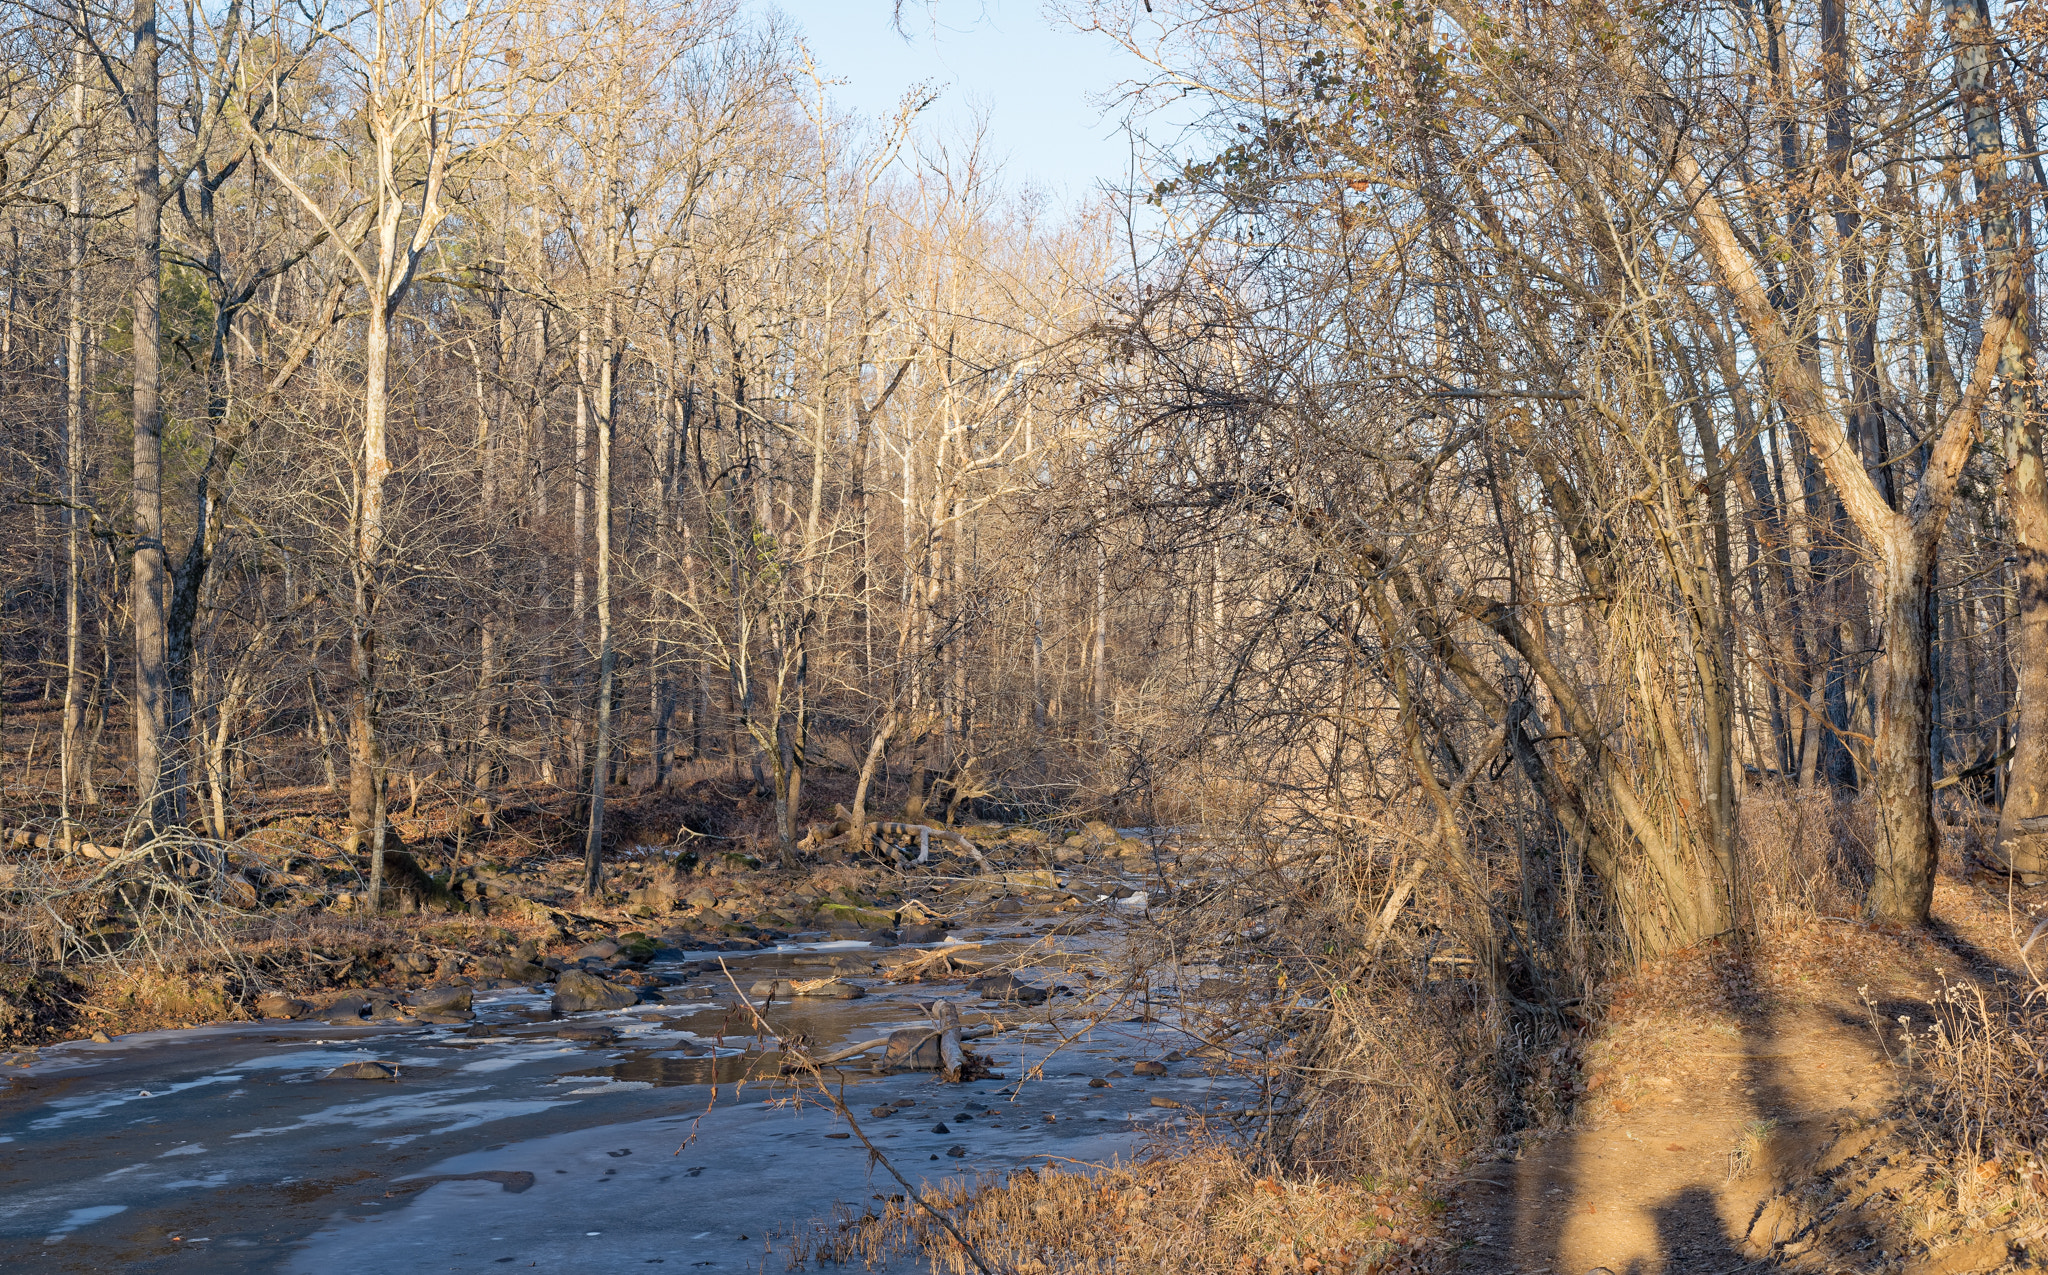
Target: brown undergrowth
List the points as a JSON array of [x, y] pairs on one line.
[[1200, 1206]]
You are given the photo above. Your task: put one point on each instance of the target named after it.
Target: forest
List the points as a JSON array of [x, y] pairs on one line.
[[1544, 491]]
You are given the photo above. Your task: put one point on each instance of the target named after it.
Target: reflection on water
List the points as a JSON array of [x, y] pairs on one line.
[[676, 1067]]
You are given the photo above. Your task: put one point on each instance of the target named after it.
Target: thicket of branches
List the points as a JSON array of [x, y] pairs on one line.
[[540, 395], [1533, 435]]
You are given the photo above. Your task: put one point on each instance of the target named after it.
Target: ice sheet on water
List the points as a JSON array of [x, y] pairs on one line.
[[429, 1107], [83, 1217], [65, 1110]]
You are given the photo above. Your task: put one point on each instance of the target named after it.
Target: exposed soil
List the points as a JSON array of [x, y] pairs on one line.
[[1734, 1117]]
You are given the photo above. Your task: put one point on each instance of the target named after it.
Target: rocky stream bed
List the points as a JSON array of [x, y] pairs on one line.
[[383, 1133]]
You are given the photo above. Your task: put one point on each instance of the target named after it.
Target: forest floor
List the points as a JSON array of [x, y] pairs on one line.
[[1756, 1110]]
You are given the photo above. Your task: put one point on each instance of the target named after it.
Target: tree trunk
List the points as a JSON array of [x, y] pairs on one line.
[[1908, 842], [2023, 817], [74, 441], [155, 805], [600, 761], [366, 750]]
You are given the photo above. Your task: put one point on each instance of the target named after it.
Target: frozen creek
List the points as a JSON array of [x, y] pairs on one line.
[[502, 1146]]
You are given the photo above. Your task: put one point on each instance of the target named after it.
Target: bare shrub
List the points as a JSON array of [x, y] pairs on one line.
[[1805, 856], [1982, 1062]]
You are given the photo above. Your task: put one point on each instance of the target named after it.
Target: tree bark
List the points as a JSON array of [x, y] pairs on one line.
[[74, 440], [156, 806], [600, 761], [365, 748]]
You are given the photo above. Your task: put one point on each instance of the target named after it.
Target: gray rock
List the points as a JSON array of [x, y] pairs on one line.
[[364, 1071], [1148, 1068], [576, 992], [956, 1152], [349, 1009], [442, 1000], [916, 1048], [836, 990], [921, 934], [780, 989], [1007, 987], [279, 1005], [601, 1034], [603, 949], [1007, 907]]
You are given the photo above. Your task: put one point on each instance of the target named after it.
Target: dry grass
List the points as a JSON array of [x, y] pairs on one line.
[[1982, 1057], [1198, 1208]]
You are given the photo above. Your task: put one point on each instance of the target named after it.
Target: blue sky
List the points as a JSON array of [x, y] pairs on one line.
[[1039, 83]]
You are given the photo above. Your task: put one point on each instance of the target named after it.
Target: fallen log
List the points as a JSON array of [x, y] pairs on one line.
[[856, 1050], [952, 1059]]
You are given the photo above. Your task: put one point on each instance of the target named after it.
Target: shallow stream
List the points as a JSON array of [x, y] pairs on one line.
[[502, 1146]]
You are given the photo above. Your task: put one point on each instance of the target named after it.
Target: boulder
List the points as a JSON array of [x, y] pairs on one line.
[[1006, 987], [364, 1071], [916, 1048], [921, 934], [831, 989], [602, 950], [603, 1035], [279, 1005], [780, 989], [1149, 1067], [577, 992], [349, 1009], [442, 1000]]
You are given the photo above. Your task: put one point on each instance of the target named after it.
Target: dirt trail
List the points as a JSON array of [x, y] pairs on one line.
[[1670, 1159]]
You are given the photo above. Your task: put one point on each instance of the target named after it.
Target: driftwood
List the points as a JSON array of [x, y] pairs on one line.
[[856, 1050], [939, 962], [24, 839], [952, 1059]]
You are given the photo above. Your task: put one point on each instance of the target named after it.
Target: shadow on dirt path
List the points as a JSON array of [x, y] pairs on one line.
[[1724, 1076]]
